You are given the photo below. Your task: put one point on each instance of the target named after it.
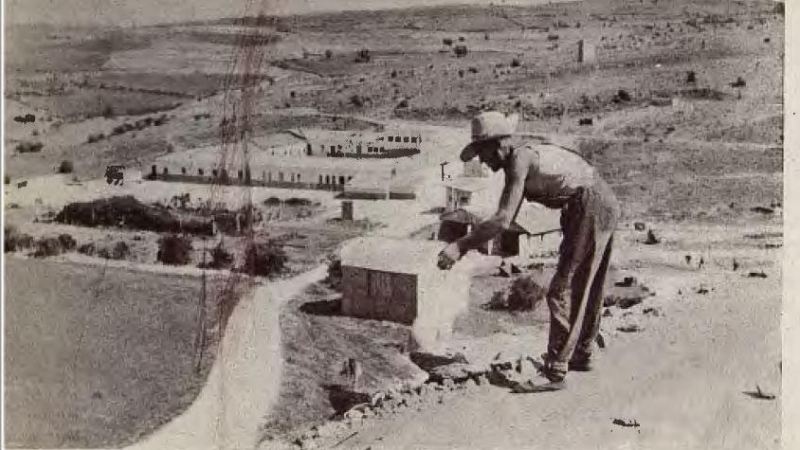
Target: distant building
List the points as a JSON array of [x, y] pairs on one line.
[[376, 179], [363, 145], [397, 280]]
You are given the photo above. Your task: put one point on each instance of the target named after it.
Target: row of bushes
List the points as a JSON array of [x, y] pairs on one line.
[[42, 247], [262, 259]]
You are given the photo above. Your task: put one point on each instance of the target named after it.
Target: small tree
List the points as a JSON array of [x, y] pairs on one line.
[[460, 50], [328, 54], [174, 250], [264, 259], [220, 258]]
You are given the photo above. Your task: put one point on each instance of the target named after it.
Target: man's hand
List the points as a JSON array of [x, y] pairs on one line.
[[449, 256]]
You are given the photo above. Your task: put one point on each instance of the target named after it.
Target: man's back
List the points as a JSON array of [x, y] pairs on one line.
[[554, 174]]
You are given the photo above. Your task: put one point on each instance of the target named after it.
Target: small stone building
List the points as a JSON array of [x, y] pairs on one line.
[[397, 280], [456, 224]]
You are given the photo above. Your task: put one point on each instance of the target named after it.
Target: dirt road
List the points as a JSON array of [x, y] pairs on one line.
[[244, 380], [684, 379]]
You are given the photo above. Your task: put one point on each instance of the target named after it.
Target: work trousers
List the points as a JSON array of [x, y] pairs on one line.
[[588, 221]]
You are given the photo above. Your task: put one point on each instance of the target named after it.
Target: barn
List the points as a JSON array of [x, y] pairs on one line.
[[397, 280]]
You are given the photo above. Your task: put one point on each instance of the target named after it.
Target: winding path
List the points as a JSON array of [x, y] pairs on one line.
[[243, 383]]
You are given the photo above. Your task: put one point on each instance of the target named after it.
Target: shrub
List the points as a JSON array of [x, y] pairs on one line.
[[393, 74], [552, 37], [29, 147], [264, 259], [174, 250], [473, 69], [120, 250], [447, 41], [14, 240], [328, 54], [65, 167], [623, 95], [585, 121], [363, 56], [460, 50], [273, 201], [108, 111], [334, 278], [48, 246], [403, 104], [524, 294], [515, 62], [6, 179], [295, 201], [739, 83], [67, 242], [357, 100], [691, 77], [87, 249], [220, 258]]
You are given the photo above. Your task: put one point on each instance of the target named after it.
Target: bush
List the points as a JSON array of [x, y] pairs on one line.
[[49, 246], [6, 179], [108, 111], [264, 259], [334, 278], [67, 242], [739, 83], [623, 96], [14, 240], [460, 50], [273, 201], [220, 258], [295, 201], [65, 167], [515, 62], [691, 77], [87, 249], [120, 250], [29, 147], [363, 56], [174, 250], [524, 294], [328, 54], [552, 37], [403, 104], [473, 69], [447, 41], [357, 100]]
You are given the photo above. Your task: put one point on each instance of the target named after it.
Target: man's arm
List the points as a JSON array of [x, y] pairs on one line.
[[510, 201]]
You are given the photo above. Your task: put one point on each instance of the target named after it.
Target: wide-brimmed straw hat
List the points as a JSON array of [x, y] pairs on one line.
[[487, 126]]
